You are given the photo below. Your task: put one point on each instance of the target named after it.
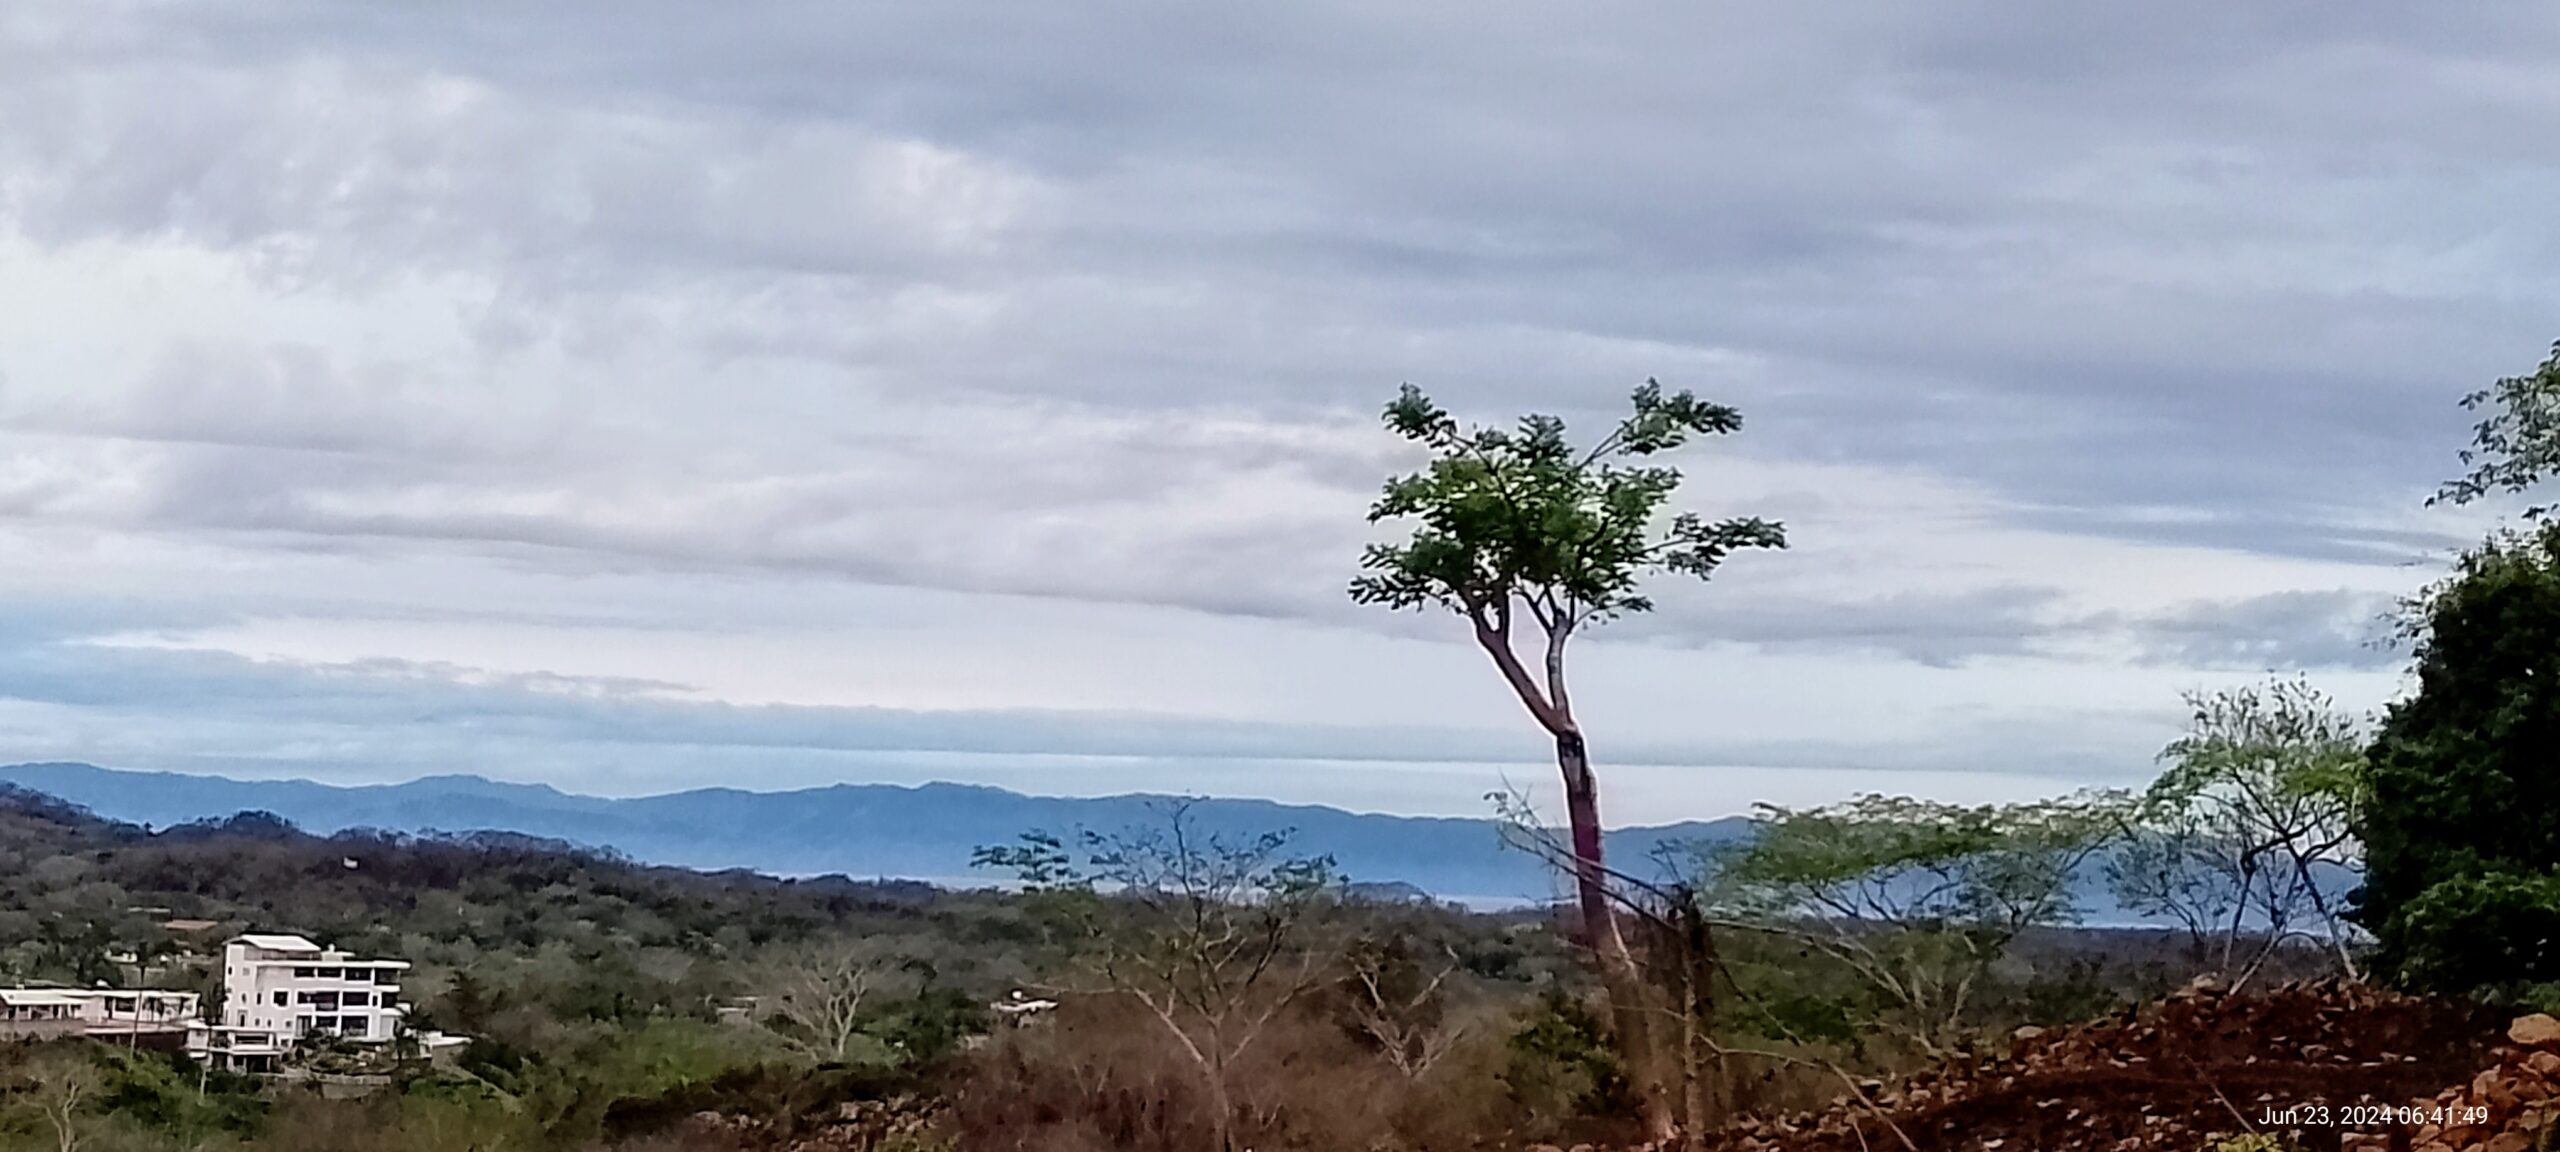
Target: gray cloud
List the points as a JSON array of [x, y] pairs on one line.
[[1905, 219], [2284, 632], [1940, 630], [1867, 200], [1097, 303]]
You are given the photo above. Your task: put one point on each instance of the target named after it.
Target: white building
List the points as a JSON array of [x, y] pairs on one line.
[[1019, 1009], [278, 990], [103, 1013]]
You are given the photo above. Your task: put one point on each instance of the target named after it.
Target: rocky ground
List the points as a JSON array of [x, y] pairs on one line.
[[2317, 1067]]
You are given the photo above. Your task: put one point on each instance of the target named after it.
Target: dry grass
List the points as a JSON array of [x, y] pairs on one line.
[[1103, 1078]]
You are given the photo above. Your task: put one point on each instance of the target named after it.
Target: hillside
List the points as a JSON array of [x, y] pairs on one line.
[[926, 832], [596, 989], [74, 885]]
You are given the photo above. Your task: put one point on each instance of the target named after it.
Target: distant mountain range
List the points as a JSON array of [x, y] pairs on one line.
[[927, 832], [886, 831]]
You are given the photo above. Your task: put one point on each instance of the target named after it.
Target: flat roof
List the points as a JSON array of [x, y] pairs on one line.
[[332, 960], [302, 953], [42, 997]]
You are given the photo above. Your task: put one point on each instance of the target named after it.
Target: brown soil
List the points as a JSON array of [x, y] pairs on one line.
[[2198, 1067]]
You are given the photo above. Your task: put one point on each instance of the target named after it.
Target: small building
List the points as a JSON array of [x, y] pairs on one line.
[[145, 1017], [41, 1013], [280, 990], [1020, 1010], [739, 1009]]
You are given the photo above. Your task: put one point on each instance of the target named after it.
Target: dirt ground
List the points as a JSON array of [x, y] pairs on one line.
[[2296, 1063]]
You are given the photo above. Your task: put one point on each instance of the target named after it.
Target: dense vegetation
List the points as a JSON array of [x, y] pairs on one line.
[[588, 980], [594, 988], [2462, 833]]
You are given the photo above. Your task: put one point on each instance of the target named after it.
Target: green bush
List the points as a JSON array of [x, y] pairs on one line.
[[1562, 1065], [2492, 931], [1799, 1017], [2461, 821]]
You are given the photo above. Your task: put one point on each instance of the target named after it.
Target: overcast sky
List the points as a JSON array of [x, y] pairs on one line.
[[641, 395]]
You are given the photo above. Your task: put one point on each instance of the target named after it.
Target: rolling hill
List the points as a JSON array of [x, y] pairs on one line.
[[925, 832]]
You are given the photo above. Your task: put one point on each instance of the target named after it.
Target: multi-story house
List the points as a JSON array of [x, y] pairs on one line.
[[279, 990]]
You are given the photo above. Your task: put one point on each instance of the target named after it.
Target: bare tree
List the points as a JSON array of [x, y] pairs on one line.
[[58, 1084], [2174, 865], [1215, 936], [824, 994], [1398, 1002], [1683, 960], [1679, 963]]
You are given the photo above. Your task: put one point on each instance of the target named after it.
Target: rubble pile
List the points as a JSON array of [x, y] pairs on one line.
[[2295, 1063], [854, 1126], [2509, 1106]]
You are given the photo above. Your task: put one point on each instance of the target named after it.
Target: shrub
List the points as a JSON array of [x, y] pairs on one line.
[[2462, 819], [1562, 1066], [2492, 931]]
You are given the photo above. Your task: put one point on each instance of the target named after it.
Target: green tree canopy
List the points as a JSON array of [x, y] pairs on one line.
[[2461, 819], [1919, 898], [2517, 444], [1521, 515]]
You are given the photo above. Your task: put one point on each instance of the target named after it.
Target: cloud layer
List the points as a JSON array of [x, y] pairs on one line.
[[2087, 355]]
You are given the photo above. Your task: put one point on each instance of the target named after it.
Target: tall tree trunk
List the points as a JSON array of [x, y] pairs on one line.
[[1618, 974], [1222, 1109]]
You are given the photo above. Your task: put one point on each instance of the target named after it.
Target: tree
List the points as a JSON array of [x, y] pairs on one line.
[[826, 993], [2461, 821], [1520, 523], [1920, 899], [2175, 864], [468, 1003], [2517, 444], [1214, 936], [1678, 958], [1396, 1000], [59, 1084], [2253, 818]]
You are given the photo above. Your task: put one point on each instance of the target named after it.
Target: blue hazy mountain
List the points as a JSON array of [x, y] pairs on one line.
[[926, 832]]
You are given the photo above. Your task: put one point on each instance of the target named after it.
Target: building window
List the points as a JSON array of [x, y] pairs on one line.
[[355, 1026], [302, 973], [358, 999], [281, 1000]]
